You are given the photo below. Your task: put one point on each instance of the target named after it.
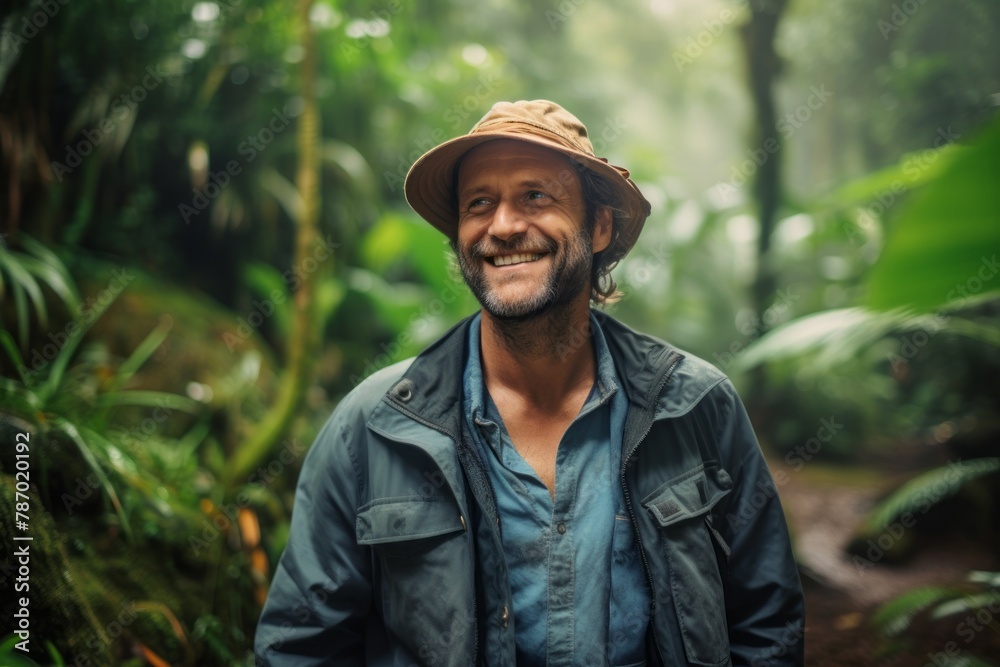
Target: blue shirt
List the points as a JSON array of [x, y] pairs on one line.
[[577, 583]]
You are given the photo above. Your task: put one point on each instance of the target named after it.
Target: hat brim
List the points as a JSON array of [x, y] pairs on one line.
[[430, 183]]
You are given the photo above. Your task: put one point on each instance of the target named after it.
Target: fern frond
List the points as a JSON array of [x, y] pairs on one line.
[[897, 614], [927, 489]]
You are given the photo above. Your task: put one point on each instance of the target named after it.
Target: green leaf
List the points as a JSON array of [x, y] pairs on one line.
[[965, 604], [933, 485], [15, 355], [895, 616], [57, 659], [943, 245], [833, 337], [912, 170], [149, 399], [51, 277], [73, 434], [397, 239], [266, 281], [57, 369], [21, 277], [989, 578], [142, 352]]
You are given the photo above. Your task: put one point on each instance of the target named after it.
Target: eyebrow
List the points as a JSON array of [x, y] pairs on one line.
[[530, 183]]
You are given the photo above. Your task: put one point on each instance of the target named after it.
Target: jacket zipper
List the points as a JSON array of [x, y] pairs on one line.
[[631, 511], [475, 602]]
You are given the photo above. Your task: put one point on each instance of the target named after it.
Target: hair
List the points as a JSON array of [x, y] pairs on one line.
[[599, 194]]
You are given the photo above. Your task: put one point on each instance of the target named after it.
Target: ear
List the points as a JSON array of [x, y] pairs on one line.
[[603, 227]]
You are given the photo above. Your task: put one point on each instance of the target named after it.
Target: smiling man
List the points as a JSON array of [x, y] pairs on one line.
[[543, 485]]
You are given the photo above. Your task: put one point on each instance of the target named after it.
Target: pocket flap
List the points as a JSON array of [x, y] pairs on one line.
[[401, 519], [689, 495]]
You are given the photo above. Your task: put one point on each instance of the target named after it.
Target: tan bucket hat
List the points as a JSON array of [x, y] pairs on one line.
[[430, 183]]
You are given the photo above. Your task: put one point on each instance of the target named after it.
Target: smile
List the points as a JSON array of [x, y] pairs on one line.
[[508, 260]]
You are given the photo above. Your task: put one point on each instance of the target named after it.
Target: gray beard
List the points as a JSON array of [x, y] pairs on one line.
[[538, 325]]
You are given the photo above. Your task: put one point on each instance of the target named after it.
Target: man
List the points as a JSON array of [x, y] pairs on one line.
[[543, 485]]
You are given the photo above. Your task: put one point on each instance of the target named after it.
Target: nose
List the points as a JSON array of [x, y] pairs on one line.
[[508, 221]]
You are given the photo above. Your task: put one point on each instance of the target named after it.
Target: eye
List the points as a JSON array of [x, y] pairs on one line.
[[477, 203], [536, 195]]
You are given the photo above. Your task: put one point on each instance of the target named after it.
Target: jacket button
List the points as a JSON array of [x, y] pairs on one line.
[[504, 616], [462, 520], [561, 527], [404, 390]]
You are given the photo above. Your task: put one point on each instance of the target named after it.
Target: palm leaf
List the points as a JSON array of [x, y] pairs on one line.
[[991, 579], [964, 604], [15, 356], [52, 270], [942, 244], [895, 616], [832, 337], [936, 484]]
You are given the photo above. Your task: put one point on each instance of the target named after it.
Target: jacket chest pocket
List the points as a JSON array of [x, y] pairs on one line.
[[682, 509], [422, 585]]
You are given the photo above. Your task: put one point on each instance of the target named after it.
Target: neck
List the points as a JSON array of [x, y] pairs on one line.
[[544, 359]]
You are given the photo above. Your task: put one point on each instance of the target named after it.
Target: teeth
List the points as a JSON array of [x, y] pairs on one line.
[[507, 260]]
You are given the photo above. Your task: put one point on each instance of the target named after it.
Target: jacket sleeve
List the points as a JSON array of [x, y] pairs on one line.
[[321, 590], [764, 604]]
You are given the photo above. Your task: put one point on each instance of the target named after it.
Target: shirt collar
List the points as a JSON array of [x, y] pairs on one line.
[[474, 385]]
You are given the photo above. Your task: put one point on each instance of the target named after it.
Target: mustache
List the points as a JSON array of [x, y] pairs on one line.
[[488, 247]]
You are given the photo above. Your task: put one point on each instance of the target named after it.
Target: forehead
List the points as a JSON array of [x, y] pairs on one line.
[[503, 159]]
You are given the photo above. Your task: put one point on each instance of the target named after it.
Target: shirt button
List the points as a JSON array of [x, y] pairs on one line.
[[504, 616], [561, 527]]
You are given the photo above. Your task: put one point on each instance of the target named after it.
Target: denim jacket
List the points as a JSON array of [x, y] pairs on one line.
[[394, 554]]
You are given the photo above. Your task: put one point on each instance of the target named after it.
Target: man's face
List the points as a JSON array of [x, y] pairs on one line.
[[523, 245]]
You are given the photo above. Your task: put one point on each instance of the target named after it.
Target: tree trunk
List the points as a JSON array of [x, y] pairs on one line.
[[763, 67], [304, 339]]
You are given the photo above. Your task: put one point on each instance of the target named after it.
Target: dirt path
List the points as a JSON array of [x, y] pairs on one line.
[[841, 595]]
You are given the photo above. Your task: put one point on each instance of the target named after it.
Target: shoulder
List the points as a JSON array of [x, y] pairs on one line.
[[641, 361], [361, 401], [694, 381]]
